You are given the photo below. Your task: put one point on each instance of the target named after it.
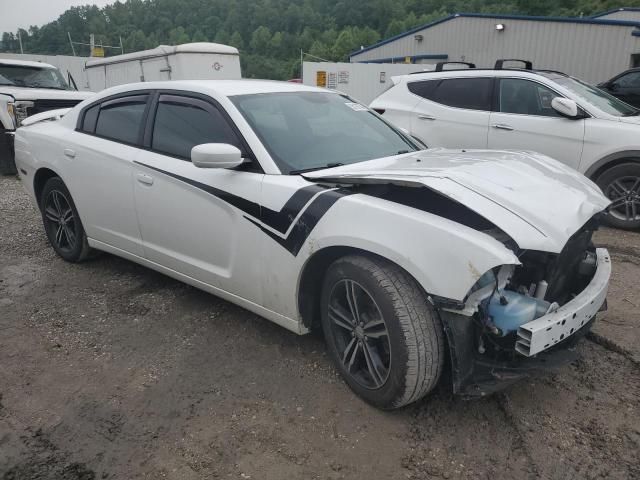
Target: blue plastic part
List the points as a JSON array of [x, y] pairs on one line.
[[518, 309]]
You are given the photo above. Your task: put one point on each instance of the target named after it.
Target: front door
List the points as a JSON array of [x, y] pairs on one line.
[[192, 219], [524, 120]]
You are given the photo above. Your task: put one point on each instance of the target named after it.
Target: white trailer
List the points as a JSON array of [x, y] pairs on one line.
[[361, 81], [190, 61]]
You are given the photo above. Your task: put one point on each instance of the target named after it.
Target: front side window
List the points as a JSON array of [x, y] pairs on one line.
[[469, 93], [32, 77], [121, 119], [593, 96], [313, 130], [526, 98], [180, 126]]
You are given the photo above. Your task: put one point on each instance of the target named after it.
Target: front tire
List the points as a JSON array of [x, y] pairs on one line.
[[621, 184], [62, 223], [382, 333]]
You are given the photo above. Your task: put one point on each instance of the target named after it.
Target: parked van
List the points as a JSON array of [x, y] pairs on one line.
[[190, 61]]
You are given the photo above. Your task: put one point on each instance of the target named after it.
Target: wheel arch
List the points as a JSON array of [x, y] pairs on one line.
[[312, 276], [40, 178], [598, 168]]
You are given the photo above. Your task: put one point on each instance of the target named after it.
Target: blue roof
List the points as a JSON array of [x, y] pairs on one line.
[[614, 10], [587, 20]]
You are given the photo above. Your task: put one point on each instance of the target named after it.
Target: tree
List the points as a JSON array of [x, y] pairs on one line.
[[236, 40], [260, 39], [178, 36]]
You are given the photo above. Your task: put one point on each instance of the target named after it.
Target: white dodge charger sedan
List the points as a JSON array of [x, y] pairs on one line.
[[308, 209]]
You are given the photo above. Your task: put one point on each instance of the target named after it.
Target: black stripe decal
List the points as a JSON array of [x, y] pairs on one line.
[[307, 221], [282, 220], [247, 206]]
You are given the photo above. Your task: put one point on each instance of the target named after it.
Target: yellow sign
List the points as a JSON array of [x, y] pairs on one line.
[[97, 52], [407, 59], [321, 79]]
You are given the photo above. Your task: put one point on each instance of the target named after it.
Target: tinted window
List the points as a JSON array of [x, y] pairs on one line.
[[470, 93], [630, 80], [424, 89], [179, 127], [121, 120], [526, 98], [90, 118]]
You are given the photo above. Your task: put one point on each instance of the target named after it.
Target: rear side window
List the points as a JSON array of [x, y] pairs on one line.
[[121, 119], [181, 126], [469, 93]]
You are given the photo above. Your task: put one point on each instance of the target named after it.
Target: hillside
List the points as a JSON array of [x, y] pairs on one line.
[[269, 33]]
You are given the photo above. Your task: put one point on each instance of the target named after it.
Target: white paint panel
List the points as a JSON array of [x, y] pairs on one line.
[[363, 80]]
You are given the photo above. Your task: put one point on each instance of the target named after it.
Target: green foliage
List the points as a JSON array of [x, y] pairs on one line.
[[269, 33]]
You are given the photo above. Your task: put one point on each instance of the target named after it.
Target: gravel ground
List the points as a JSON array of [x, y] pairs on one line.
[[110, 370]]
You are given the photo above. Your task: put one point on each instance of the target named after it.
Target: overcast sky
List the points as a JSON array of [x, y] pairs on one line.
[[24, 13]]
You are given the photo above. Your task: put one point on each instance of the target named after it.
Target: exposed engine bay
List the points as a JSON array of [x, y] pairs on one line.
[[512, 296]]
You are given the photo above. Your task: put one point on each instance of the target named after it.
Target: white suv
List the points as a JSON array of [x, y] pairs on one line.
[[524, 109]]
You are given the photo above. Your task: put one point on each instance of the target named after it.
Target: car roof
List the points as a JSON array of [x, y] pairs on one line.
[[24, 63], [221, 87], [478, 72]]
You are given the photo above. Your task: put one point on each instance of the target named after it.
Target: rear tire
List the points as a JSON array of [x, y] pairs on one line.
[[393, 353], [62, 223], [621, 184]]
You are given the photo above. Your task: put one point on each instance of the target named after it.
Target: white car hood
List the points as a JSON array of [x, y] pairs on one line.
[[539, 202], [43, 93]]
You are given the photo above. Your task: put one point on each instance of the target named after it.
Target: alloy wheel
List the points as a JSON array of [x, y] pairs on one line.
[[60, 221], [624, 192], [360, 334]]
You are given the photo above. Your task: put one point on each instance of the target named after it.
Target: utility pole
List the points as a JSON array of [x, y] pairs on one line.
[[20, 42], [121, 47], [92, 44], [73, 49]]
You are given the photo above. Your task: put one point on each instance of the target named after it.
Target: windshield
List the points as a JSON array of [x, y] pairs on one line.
[[312, 130], [32, 77], [594, 96]]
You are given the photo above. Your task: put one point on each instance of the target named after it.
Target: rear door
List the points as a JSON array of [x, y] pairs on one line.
[[102, 150], [191, 218], [524, 120], [453, 112]]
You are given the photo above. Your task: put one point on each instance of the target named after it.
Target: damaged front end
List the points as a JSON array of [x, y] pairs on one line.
[[519, 319]]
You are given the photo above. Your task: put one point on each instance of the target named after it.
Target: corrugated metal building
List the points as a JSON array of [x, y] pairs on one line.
[[593, 48]]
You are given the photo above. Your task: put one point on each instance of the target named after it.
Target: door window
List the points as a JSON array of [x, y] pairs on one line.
[[469, 93], [630, 80], [180, 125], [121, 119], [526, 98]]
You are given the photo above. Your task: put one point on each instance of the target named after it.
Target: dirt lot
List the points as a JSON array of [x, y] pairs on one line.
[[109, 370]]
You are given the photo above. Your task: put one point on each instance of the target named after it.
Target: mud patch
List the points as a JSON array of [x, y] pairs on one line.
[[43, 460]]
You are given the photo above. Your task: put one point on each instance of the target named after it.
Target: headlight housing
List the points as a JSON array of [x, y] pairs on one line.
[[20, 111]]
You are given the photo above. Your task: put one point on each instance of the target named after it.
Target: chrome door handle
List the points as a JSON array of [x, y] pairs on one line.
[[144, 178], [69, 153], [502, 126], [426, 117]]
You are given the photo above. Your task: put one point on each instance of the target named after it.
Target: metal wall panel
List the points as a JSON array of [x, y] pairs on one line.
[[629, 15], [361, 81], [588, 51]]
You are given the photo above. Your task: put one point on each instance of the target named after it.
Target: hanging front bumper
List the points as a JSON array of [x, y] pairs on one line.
[[546, 331]]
